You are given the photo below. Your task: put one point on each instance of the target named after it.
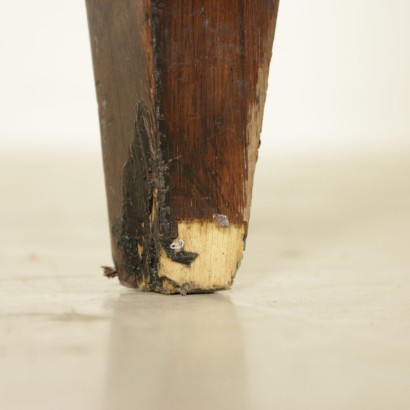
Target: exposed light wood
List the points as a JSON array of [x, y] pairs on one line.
[[219, 254]]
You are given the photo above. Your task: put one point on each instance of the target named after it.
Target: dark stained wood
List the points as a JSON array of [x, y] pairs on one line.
[[209, 54], [120, 36], [181, 86]]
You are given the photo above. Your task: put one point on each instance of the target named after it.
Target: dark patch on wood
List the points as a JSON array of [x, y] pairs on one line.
[[181, 256], [221, 220], [138, 185]]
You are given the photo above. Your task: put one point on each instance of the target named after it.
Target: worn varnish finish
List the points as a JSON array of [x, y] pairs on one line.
[[181, 87]]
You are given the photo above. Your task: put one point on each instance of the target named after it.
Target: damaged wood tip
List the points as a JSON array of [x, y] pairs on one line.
[[180, 118]]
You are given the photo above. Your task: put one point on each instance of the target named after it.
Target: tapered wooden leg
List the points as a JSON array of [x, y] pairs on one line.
[[181, 86]]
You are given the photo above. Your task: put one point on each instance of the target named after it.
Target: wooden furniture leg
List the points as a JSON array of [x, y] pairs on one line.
[[181, 87]]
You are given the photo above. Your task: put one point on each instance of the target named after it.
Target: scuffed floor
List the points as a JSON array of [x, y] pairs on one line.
[[318, 318]]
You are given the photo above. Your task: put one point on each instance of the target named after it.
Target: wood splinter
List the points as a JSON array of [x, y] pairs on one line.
[[181, 87]]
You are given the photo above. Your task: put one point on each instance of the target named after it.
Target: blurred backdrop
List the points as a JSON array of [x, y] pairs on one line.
[[339, 78]]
